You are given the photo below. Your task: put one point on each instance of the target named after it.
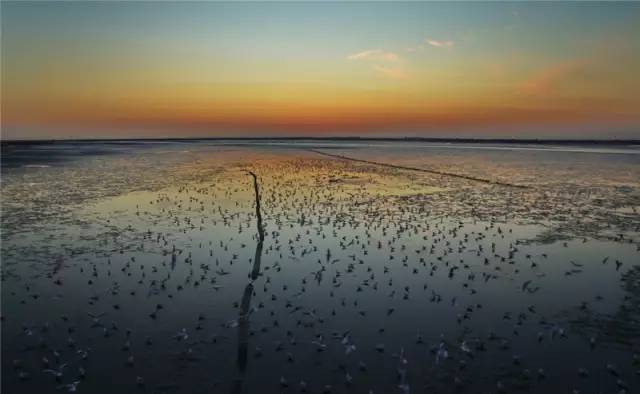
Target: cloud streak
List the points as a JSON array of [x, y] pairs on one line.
[[385, 63], [375, 54], [440, 44], [390, 72]]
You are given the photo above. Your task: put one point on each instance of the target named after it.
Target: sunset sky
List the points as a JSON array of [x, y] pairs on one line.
[[90, 70]]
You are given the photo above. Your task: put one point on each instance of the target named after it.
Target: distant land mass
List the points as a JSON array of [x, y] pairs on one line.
[[543, 141]]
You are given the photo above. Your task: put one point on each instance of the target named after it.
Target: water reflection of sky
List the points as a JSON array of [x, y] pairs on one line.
[[382, 254]]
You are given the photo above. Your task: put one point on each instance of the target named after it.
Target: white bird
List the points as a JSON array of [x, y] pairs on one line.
[[404, 388], [182, 335], [319, 346], [442, 353], [56, 372], [71, 387], [464, 347], [401, 357], [348, 346]]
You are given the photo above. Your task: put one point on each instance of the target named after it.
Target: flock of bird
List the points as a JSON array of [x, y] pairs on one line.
[[356, 292]]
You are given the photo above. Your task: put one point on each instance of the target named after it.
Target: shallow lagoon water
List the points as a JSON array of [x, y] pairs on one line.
[[126, 267]]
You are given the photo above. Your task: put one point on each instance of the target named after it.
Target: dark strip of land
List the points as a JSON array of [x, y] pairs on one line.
[[354, 139], [377, 163]]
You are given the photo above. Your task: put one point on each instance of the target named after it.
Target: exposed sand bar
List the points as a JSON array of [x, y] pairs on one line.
[[471, 178]]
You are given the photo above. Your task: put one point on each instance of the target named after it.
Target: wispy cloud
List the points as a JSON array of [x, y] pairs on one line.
[[440, 44], [385, 63], [391, 72], [375, 54]]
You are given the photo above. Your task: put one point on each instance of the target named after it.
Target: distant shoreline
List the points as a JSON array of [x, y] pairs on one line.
[[337, 139]]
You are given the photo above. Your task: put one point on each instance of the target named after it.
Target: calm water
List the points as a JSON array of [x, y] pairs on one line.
[[127, 267]]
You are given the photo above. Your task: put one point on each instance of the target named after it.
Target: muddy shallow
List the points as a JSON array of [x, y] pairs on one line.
[[127, 268]]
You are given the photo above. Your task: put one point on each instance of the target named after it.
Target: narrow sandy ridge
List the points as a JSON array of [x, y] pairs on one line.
[[471, 178]]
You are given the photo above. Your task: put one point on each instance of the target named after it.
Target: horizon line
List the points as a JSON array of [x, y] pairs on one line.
[[346, 138]]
